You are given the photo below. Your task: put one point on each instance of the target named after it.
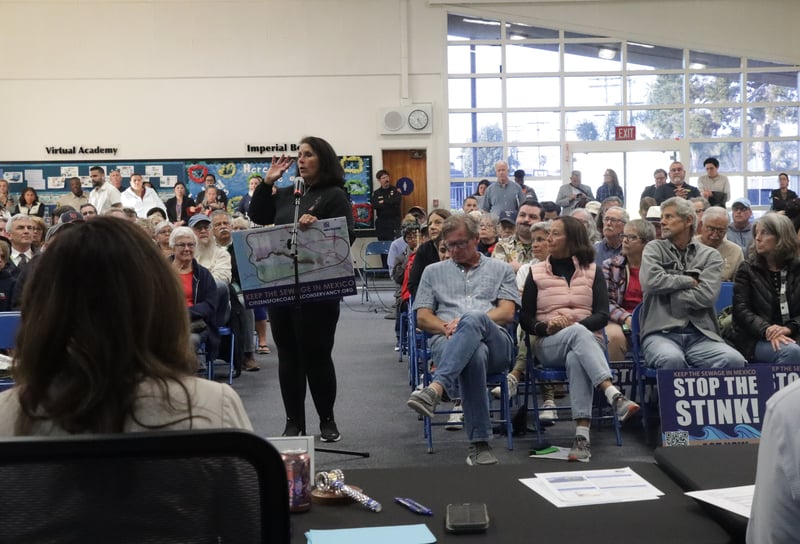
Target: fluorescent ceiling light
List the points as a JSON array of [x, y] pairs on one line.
[[481, 22], [646, 46], [607, 54]]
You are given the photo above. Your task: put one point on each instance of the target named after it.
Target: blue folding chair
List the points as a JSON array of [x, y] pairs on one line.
[[379, 248], [9, 325], [725, 297], [642, 374], [421, 369], [537, 375]]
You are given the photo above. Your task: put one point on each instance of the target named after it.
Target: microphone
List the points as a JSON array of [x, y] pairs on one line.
[[299, 185]]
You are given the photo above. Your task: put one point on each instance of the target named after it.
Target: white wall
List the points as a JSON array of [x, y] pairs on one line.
[[177, 78]]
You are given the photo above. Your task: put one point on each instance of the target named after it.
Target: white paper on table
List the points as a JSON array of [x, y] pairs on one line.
[[738, 500], [586, 487]]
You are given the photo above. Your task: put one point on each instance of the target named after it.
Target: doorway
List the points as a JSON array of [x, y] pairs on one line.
[[634, 168], [411, 164]]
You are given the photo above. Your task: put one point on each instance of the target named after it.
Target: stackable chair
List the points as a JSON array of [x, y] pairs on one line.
[[168, 487], [538, 375], [221, 320], [9, 324], [642, 375], [380, 248], [421, 369], [725, 297]]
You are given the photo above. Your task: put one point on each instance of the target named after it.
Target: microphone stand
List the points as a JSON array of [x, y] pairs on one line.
[[298, 194]]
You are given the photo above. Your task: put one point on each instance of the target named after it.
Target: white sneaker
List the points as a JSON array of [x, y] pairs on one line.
[[548, 416], [513, 384], [456, 420]]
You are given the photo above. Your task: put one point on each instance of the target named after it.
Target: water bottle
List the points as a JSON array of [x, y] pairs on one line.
[[47, 220]]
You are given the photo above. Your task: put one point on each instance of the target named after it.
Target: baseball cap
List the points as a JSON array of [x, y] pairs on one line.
[[654, 214], [199, 218], [418, 210], [70, 216], [509, 217], [741, 202], [593, 207]]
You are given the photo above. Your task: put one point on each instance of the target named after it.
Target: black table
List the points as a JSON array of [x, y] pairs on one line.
[[695, 468], [517, 513]]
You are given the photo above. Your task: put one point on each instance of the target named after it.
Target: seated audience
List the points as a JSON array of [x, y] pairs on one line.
[[469, 338], [8, 277], [740, 231], [624, 288], [29, 203], [700, 206], [161, 235], [680, 283], [588, 222], [181, 206], [766, 294], [20, 233], [614, 221], [507, 224], [565, 305], [147, 384], [39, 230], [487, 236], [550, 210], [428, 252], [209, 255], [645, 204], [470, 204], [88, 211], [516, 249], [712, 234]]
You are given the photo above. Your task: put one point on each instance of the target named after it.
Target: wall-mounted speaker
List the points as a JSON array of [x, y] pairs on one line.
[[414, 119]]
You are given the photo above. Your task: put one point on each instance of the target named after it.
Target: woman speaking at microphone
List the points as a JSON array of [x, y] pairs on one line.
[[304, 334]]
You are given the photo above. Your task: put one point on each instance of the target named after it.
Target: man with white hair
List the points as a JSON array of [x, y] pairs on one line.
[[610, 245], [502, 196], [208, 254], [680, 284], [712, 234], [20, 233]]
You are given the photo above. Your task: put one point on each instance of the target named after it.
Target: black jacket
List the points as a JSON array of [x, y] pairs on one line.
[[324, 202], [172, 210], [756, 304]]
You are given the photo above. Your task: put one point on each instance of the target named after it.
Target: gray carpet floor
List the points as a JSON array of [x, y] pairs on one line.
[[371, 409]]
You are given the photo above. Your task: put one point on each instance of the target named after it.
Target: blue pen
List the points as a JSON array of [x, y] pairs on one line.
[[414, 506]]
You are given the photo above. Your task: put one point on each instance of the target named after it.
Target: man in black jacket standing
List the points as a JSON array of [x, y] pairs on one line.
[[386, 203]]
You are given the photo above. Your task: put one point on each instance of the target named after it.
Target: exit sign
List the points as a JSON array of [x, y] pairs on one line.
[[625, 133]]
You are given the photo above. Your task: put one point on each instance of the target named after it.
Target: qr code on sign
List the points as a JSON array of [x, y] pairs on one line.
[[676, 438]]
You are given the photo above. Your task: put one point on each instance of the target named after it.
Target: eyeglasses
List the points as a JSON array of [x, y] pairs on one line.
[[718, 230], [460, 244], [184, 245], [612, 220], [630, 237]]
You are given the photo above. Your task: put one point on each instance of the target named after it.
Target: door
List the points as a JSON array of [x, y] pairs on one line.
[[411, 164], [634, 163]]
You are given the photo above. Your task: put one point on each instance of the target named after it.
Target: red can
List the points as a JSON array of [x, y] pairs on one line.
[[298, 476]]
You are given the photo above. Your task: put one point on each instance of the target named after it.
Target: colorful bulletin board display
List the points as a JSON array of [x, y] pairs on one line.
[[358, 181], [50, 178], [266, 267], [706, 406]]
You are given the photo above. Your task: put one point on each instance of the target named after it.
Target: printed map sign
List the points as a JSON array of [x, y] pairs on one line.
[[266, 268], [708, 406]]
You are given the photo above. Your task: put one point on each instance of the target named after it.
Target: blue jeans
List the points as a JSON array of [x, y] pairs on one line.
[[478, 347], [577, 349], [688, 348], [786, 354]]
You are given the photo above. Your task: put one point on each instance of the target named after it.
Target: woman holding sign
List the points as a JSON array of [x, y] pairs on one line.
[[766, 294], [304, 333]]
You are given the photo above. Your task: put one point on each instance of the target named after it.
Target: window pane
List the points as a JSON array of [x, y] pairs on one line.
[[592, 57], [773, 156], [578, 35], [593, 91], [518, 31], [486, 93], [533, 92], [537, 162], [700, 60], [772, 121], [486, 127], [655, 89], [729, 155], [657, 124], [715, 88], [653, 57], [472, 28], [456, 156], [754, 63], [540, 126], [772, 87], [717, 122], [532, 58], [478, 162], [486, 59], [590, 126]]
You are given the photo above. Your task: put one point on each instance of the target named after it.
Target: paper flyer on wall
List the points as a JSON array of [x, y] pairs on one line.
[[266, 268]]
